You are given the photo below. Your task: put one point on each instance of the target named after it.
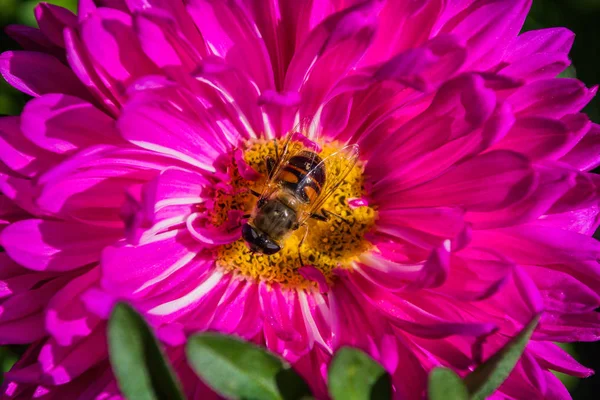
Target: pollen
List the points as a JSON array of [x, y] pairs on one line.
[[329, 245]]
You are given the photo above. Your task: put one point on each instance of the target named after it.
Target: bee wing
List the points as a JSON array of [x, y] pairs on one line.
[[337, 167]]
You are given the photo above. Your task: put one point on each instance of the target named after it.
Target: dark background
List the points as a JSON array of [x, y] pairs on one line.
[[581, 16]]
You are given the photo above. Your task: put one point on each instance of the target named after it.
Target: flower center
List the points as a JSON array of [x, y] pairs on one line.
[[328, 245]]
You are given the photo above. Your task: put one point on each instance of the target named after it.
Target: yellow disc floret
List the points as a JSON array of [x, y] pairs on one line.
[[331, 244]]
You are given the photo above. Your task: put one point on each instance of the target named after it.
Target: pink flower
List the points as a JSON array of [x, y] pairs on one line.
[[126, 178]]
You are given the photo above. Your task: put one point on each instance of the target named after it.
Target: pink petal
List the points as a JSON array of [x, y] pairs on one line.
[[464, 118], [150, 263], [32, 39], [497, 178], [195, 301], [553, 184], [224, 26], [545, 138], [426, 67], [37, 73], [561, 292], [488, 27], [331, 50], [537, 66], [585, 155], [154, 123], [548, 41], [558, 327], [477, 275], [402, 25], [410, 318], [63, 124], [67, 320], [174, 11], [551, 356], [552, 98], [245, 170], [94, 80], [529, 244], [18, 153], [425, 227], [44, 245], [239, 301], [313, 274], [114, 30], [22, 315], [163, 41], [63, 364], [52, 20], [239, 94]]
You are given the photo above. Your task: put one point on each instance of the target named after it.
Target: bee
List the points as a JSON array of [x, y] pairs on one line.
[[298, 185]]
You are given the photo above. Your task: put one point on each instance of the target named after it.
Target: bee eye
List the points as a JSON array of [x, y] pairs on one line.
[[249, 234], [270, 247]]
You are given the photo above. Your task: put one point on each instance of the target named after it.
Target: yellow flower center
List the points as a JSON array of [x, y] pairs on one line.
[[328, 245]]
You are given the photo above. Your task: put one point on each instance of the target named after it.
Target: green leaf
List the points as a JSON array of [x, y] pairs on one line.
[[570, 72], [136, 358], [445, 384], [240, 370], [487, 377], [353, 375]]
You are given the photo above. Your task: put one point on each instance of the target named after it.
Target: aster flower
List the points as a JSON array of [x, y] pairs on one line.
[[128, 174]]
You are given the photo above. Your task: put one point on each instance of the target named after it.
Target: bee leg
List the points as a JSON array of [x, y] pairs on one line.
[[276, 150], [300, 246], [254, 193], [324, 216], [320, 216]]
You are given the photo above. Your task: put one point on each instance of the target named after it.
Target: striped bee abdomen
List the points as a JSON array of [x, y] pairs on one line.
[[304, 175]]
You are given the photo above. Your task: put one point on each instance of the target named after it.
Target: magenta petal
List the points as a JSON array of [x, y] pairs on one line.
[[487, 182], [52, 20], [553, 357], [312, 274], [435, 271], [67, 320], [540, 66], [32, 39], [98, 302], [114, 30], [562, 292], [156, 124], [62, 364], [83, 67], [586, 154], [552, 98], [151, 263], [37, 73], [54, 245], [224, 26], [286, 99], [488, 28], [245, 170], [426, 67], [18, 153], [551, 40], [164, 42], [545, 138], [477, 274], [63, 124]]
